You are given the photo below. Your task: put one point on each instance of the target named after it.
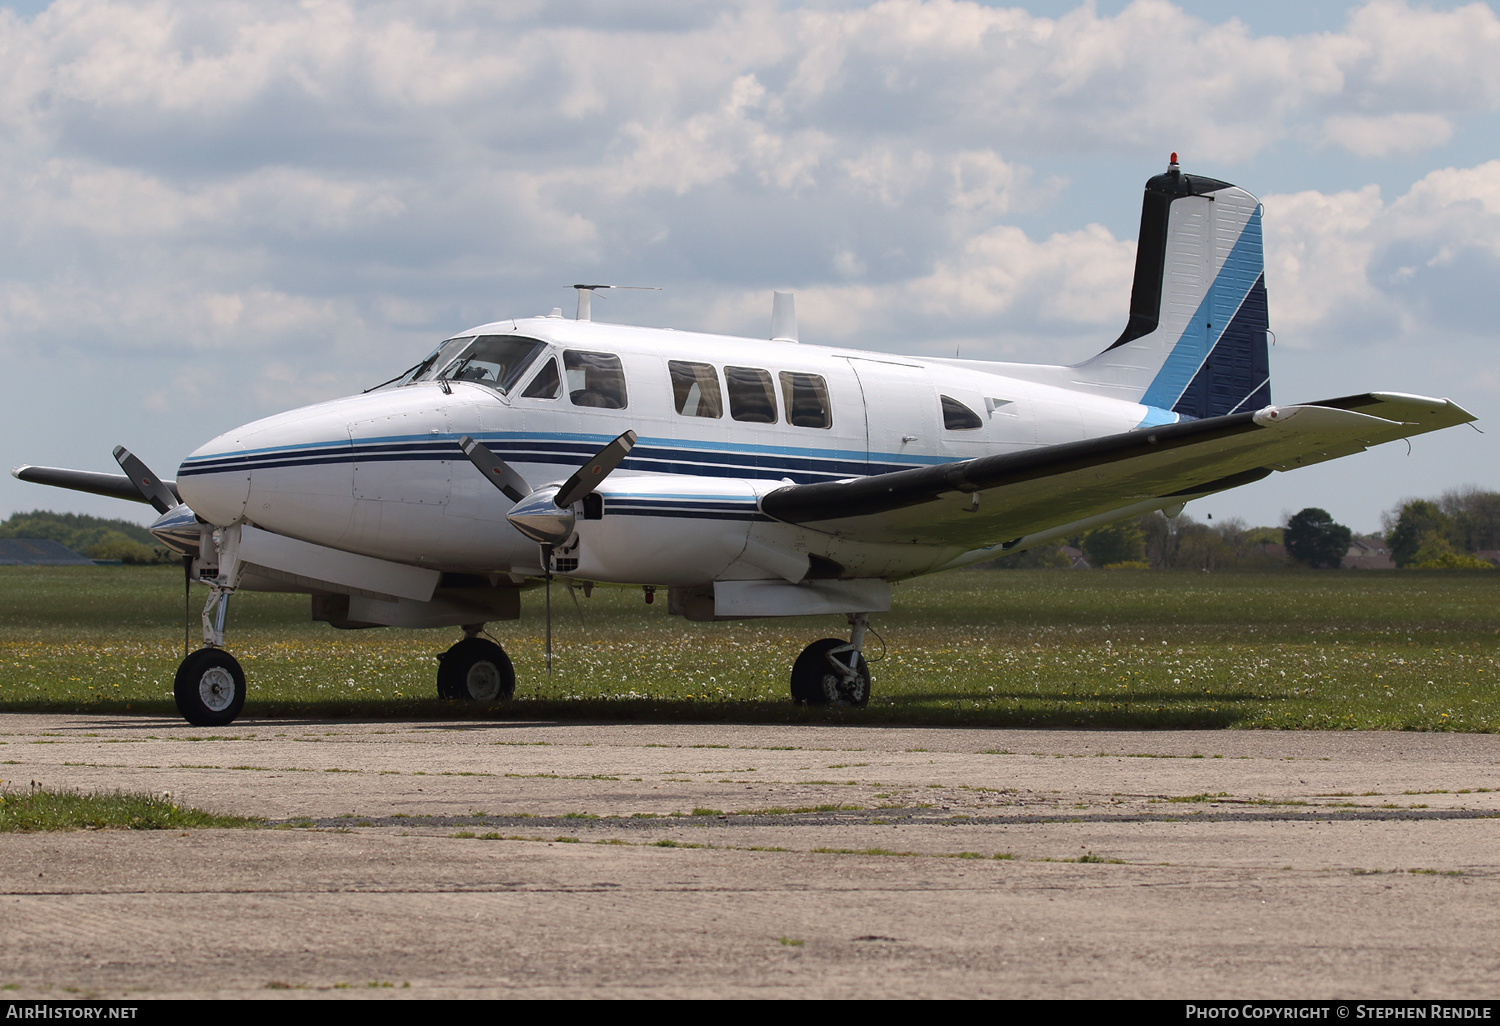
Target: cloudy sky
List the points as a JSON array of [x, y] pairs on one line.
[[213, 212]]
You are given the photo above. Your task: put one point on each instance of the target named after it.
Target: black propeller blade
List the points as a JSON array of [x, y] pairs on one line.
[[148, 484], [592, 474], [496, 470]]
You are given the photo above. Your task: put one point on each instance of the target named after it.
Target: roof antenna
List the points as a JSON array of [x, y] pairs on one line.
[[587, 291], [783, 317]]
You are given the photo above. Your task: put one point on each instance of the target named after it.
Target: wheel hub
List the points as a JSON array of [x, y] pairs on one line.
[[216, 688], [483, 681], [839, 691]]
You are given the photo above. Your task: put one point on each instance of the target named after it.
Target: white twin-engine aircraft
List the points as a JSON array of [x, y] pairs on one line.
[[750, 478]]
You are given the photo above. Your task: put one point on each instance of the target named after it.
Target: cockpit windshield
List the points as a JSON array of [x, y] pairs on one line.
[[494, 360]]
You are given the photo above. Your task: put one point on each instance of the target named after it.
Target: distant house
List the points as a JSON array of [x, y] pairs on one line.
[[1491, 555], [1367, 552], [39, 552]]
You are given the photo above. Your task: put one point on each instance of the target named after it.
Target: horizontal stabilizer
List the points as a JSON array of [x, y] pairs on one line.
[[116, 486]]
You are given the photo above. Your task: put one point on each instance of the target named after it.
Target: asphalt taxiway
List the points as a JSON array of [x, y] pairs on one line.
[[456, 859]]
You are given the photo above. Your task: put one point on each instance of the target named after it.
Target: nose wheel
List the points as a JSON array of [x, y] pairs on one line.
[[210, 688]]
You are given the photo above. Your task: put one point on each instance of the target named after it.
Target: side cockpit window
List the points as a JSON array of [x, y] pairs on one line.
[[595, 379], [695, 389], [546, 384], [958, 417], [494, 360]]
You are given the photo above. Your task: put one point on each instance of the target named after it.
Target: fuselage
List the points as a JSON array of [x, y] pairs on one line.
[[721, 421]]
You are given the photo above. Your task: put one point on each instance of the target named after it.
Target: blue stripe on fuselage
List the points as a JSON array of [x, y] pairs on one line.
[[658, 455]]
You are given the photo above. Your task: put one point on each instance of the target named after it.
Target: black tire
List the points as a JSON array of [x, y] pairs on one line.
[[475, 670], [814, 682], [210, 688]]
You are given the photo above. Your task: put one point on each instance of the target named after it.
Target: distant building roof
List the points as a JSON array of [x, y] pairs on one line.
[[39, 552]]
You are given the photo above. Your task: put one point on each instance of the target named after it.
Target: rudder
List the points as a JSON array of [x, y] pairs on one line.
[[1195, 344]]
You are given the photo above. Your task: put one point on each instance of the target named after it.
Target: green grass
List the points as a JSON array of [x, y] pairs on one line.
[[1395, 650], [42, 809]]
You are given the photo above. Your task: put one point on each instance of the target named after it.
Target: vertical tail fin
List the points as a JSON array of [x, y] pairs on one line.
[[1195, 344]]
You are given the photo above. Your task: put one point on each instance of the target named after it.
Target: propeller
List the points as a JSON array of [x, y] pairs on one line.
[[168, 529], [545, 515], [147, 483]]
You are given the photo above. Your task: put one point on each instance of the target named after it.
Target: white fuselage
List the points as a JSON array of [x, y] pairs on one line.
[[382, 474]]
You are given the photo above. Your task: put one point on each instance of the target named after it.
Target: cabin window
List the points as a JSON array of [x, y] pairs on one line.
[[546, 384], [695, 389], [805, 397], [494, 360], [595, 379], [958, 417], [751, 397]]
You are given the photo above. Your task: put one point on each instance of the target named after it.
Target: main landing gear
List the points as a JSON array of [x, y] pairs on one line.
[[475, 670], [834, 672]]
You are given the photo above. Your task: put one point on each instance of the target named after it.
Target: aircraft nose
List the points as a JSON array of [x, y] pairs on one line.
[[215, 481]]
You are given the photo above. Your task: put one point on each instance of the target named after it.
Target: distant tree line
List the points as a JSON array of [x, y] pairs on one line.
[[94, 537], [1421, 534], [1446, 533]]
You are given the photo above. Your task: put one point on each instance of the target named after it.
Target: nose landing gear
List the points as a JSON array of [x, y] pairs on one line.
[[210, 685], [834, 672]]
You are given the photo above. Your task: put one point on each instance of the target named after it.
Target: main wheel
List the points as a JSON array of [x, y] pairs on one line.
[[815, 682], [475, 670], [210, 688]]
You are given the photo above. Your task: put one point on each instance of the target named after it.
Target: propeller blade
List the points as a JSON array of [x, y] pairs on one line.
[[593, 473], [148, 484], [495, 469]]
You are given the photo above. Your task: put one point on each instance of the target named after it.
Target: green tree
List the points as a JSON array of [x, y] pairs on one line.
[[1313, 539], [1418, 520], [1475, 518], [1437, 553], [1120, 542]]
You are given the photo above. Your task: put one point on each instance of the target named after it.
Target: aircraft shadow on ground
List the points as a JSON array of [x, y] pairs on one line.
[[1143, 712]]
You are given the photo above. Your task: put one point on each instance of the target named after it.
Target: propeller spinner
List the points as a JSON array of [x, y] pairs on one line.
[[545, 515]]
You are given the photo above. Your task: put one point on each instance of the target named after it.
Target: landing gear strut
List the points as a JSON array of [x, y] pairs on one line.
[[834, 672], [476, 670], [210, 685]]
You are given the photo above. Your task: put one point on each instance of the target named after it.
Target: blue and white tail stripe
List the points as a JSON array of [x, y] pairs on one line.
[[1196, 343], [1212, 368]]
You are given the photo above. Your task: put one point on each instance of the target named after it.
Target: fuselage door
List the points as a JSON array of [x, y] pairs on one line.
[[901, 414]]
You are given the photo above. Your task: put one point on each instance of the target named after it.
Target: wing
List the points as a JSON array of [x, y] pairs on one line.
[[116, 486], [995, 499]]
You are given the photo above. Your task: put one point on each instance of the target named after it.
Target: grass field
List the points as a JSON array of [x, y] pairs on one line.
[[1396, 650]]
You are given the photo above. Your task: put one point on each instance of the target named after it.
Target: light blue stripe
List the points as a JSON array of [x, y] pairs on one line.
[[1156, 416], [1245, 264]]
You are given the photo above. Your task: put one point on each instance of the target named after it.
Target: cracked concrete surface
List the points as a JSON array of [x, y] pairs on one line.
[[441, 859]]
